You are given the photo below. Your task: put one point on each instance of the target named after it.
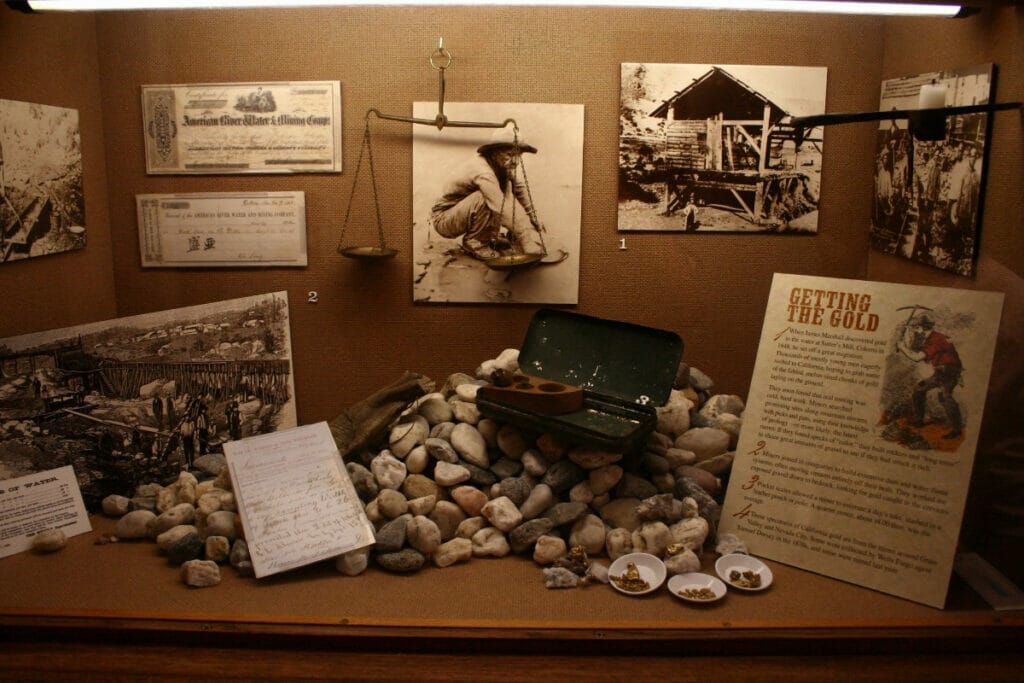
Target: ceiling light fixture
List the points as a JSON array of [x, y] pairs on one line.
[[918, 9]]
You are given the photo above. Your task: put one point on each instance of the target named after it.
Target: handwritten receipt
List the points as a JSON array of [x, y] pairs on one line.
[[297, 503], [38, 502]]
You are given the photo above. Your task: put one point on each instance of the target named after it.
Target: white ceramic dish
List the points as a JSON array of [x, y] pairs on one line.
[[650, 568], [697, 581], [748, 568]]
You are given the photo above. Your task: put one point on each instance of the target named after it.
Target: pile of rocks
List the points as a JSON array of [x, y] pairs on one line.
[[453, 484]]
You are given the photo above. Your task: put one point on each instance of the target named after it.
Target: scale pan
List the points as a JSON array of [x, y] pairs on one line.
[[512, 261], [368, 253]]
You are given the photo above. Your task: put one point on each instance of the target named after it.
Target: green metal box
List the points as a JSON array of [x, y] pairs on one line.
[[625, 371]]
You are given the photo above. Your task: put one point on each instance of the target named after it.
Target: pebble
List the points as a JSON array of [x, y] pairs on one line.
[[682, 563], [188, 547], [200, 573], [559, 577], [480, 476], [435, 409], [388, 471], [705, 442], [722, 404], [523, 537], [363, 481], [582, 493], [653, 538], [135, 524], [604, 479], [539, 501], [548, 549], [211, 463], [239, 553], [566, 513], [511, 442], [423, 505], [442, 431], [516, 489], [468, 527], [222, 523], [173, 535], [632, 486], [502, 513], [467, 392], [465, 412], [392, 503], [677, 457], [674, 416], [562, 475], [621, 513], [534, 463], [423, 534], [441, 450], [505, 467], [419, 485], [590, 533], [618, 542], [417, 461], [591, 459], [217, 548], [448, 474], [391, 536], [663, 507], [447, 516], [707, 481], [718, 465], [402, 562], [552, 447], [407, 435], [453, 551], [488, 428], [354, 562], [469, 498], [490, 542], [115, 506], [469, 443], [49, 541]]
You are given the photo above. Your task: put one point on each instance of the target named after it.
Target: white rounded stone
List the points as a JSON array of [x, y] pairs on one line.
[[502, 513], [470, 445]]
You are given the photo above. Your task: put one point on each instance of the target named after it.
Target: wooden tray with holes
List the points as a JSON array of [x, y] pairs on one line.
[[536, 394]]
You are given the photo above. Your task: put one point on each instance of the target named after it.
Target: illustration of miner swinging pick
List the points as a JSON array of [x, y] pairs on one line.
[[921, 343]]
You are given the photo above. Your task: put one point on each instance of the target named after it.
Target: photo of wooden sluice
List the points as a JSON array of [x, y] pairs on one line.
[[264, 379], [726, 145], [26, 227]]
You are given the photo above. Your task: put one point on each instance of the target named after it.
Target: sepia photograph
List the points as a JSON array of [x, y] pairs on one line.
[[42, 204], [489, 195], [138, 399], [928, 194], [710, 148]]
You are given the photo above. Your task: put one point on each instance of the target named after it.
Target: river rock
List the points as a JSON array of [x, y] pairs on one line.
[[706, 479], [402, 562], [621, 513], [589, 532], [435, 409], [222, 523], [539, 500], [479, 476], [691, 532], [388, 471], [354, 562], [469, 498], [552, 447], [239, 553], [718, 465], [523, 537], [582, 493], [453, 551], [49, 541], [464, 411], [468, 527], [562, 475], [419, 485], [674, 416], [115, 505], [173, 535], [417, 461], [490, 542], [217, 548], [423, 505], [441, 450], [705, 442], [511, 442], [488, 428], [604, 479], [591, 459], [632, 486], [534, 463], [562, 514], [653, 538], [188, 547], [469, 443], [183, 513], [447, 516], [442, 431], [682, 563], [406, 435], [447, 474], [502, 513], [363, 481], [392, 503], [423, 534], [207, 503], [200, 573], [506, 467], [516, 489], [391, 536], [663, 507], [548, 549], [467, 391], [210, 463], [677, 457]]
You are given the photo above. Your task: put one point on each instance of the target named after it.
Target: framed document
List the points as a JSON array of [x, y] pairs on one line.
[[275, 127], [222, 229], [38, 502]]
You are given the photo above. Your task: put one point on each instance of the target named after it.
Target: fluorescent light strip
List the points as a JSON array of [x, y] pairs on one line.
[[821, 6]]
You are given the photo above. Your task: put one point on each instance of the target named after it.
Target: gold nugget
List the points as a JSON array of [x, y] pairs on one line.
[[698, 593], [745, 579], [630, 580]]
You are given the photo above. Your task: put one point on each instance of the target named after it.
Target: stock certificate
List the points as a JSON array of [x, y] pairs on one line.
[[222, 229], [275, 127]]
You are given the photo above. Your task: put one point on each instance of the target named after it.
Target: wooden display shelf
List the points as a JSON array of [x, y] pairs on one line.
[[119, 611]]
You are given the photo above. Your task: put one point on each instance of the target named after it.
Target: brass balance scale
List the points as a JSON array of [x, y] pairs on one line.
[[439, 60]]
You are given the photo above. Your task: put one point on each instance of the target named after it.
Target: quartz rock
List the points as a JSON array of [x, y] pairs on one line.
[[691, 532], [388, 471], [423, 534], [618, 542], [200, 573], [502, 513], [683, 562], [730, 543], [560, 577], [115, 506], [354, 562], [49, 541], [720, 404], [599, 571], [548, 549], [453, 551], [663, 507], [402, 562], [707, 506], [589, 532], [653, 538], [674, 416], [470, 445], [490, 542], [470, 499]]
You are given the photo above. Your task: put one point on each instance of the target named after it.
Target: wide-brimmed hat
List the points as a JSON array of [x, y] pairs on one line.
[[505, 138]]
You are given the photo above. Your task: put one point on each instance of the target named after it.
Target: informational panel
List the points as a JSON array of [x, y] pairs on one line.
[[276, 127], [297, 503], [860, 430], [40, 502], [222, 229]]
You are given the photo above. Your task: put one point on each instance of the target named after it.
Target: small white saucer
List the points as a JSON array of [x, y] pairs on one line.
[[743, 572], [692, 582], [651, 569]]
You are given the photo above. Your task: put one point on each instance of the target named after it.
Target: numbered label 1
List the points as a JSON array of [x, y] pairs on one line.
[[622, 244]]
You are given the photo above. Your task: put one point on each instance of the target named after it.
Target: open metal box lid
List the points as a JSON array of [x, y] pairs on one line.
[[625, 362]]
